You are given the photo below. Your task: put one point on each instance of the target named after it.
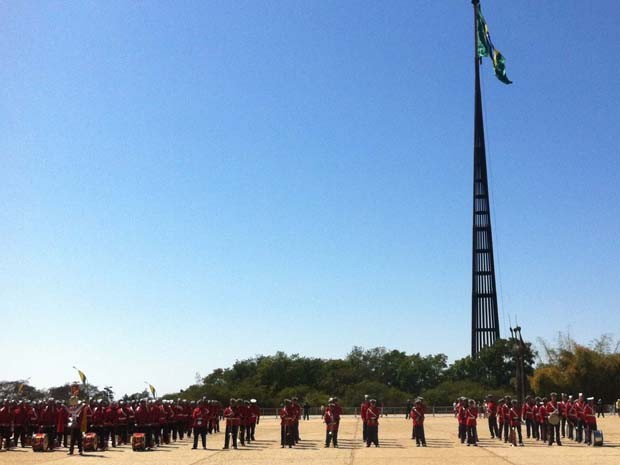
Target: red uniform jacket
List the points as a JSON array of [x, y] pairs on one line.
[[98, 414], [33, 417], [200, 417], [287, 416], [6, 416], [515, 416], [528, 411], [372, 415], [491, 408], [231, 415], [330, 421], [588, 415], [571, 411], [461, 414], [20, 415], [542, 414], [244, 414], [49, 416], [552, 407], [504, 411], [110, 416], [472, 415], [363, 410], [297, 410], [62, 419], [142, 415], [417, 416], [121, 416], [254, 414]]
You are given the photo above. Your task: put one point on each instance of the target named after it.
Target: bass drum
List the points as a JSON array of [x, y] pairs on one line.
[[597, 440], [40, 442], [138, 442], [90, 442]]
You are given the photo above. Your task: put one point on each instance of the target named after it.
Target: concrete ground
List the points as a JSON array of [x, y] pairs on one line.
[[396, 447]]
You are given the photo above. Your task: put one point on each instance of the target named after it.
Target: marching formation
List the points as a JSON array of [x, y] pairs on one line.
[[546, 419], [148, 423]]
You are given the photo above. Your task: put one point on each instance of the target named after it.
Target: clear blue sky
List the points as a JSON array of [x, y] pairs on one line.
[[183, 184]]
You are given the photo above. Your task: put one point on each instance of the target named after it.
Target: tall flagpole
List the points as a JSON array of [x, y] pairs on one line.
[[484, 317]]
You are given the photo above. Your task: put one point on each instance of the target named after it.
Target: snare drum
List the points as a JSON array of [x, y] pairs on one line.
[[138, 441], [554, 419], [90, 442], [597, 440], [40, 442]]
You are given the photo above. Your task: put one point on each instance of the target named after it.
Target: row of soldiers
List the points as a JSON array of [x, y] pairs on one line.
[[160, 420], [545, 419]]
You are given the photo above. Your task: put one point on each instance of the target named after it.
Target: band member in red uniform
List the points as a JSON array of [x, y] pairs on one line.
[[200, 417], [472, 416], [504, 411], [553, 430], [177, 429], [6, 420], [363, 410], [571, 414], [563, 405], [492, 416], [528, 416], [143, 423], [110, 416], [62, 419], [32, 418], [297, 410], [187, 415], [579, 406], [20, 422], [122, 419], [417, 416], [254, 419], [372, 422], [231, 415], [331, 425], [77, 418], [589, 420], [515, 424], [243, 408], [97, 424], [48, 421], [543, 420], [461, 415], [287, 424]]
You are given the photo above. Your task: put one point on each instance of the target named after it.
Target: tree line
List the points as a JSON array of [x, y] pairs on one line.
[[393, 376]]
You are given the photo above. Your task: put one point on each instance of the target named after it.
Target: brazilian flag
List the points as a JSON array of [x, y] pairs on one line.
[[485, 48], [483, 39], [499, 63]]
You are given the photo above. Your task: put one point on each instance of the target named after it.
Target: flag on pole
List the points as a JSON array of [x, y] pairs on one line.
[[21, 387], [82, 375], [485, 48], [152, 388], [499, 64], [483, 38]]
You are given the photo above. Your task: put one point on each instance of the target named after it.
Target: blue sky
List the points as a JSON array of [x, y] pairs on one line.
[[183, 184]]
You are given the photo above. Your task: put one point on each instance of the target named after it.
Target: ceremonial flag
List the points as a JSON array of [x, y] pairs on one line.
[[21, 387], [152, 388], [499, 63], [483, 38], [485, 48], [82, 375]]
